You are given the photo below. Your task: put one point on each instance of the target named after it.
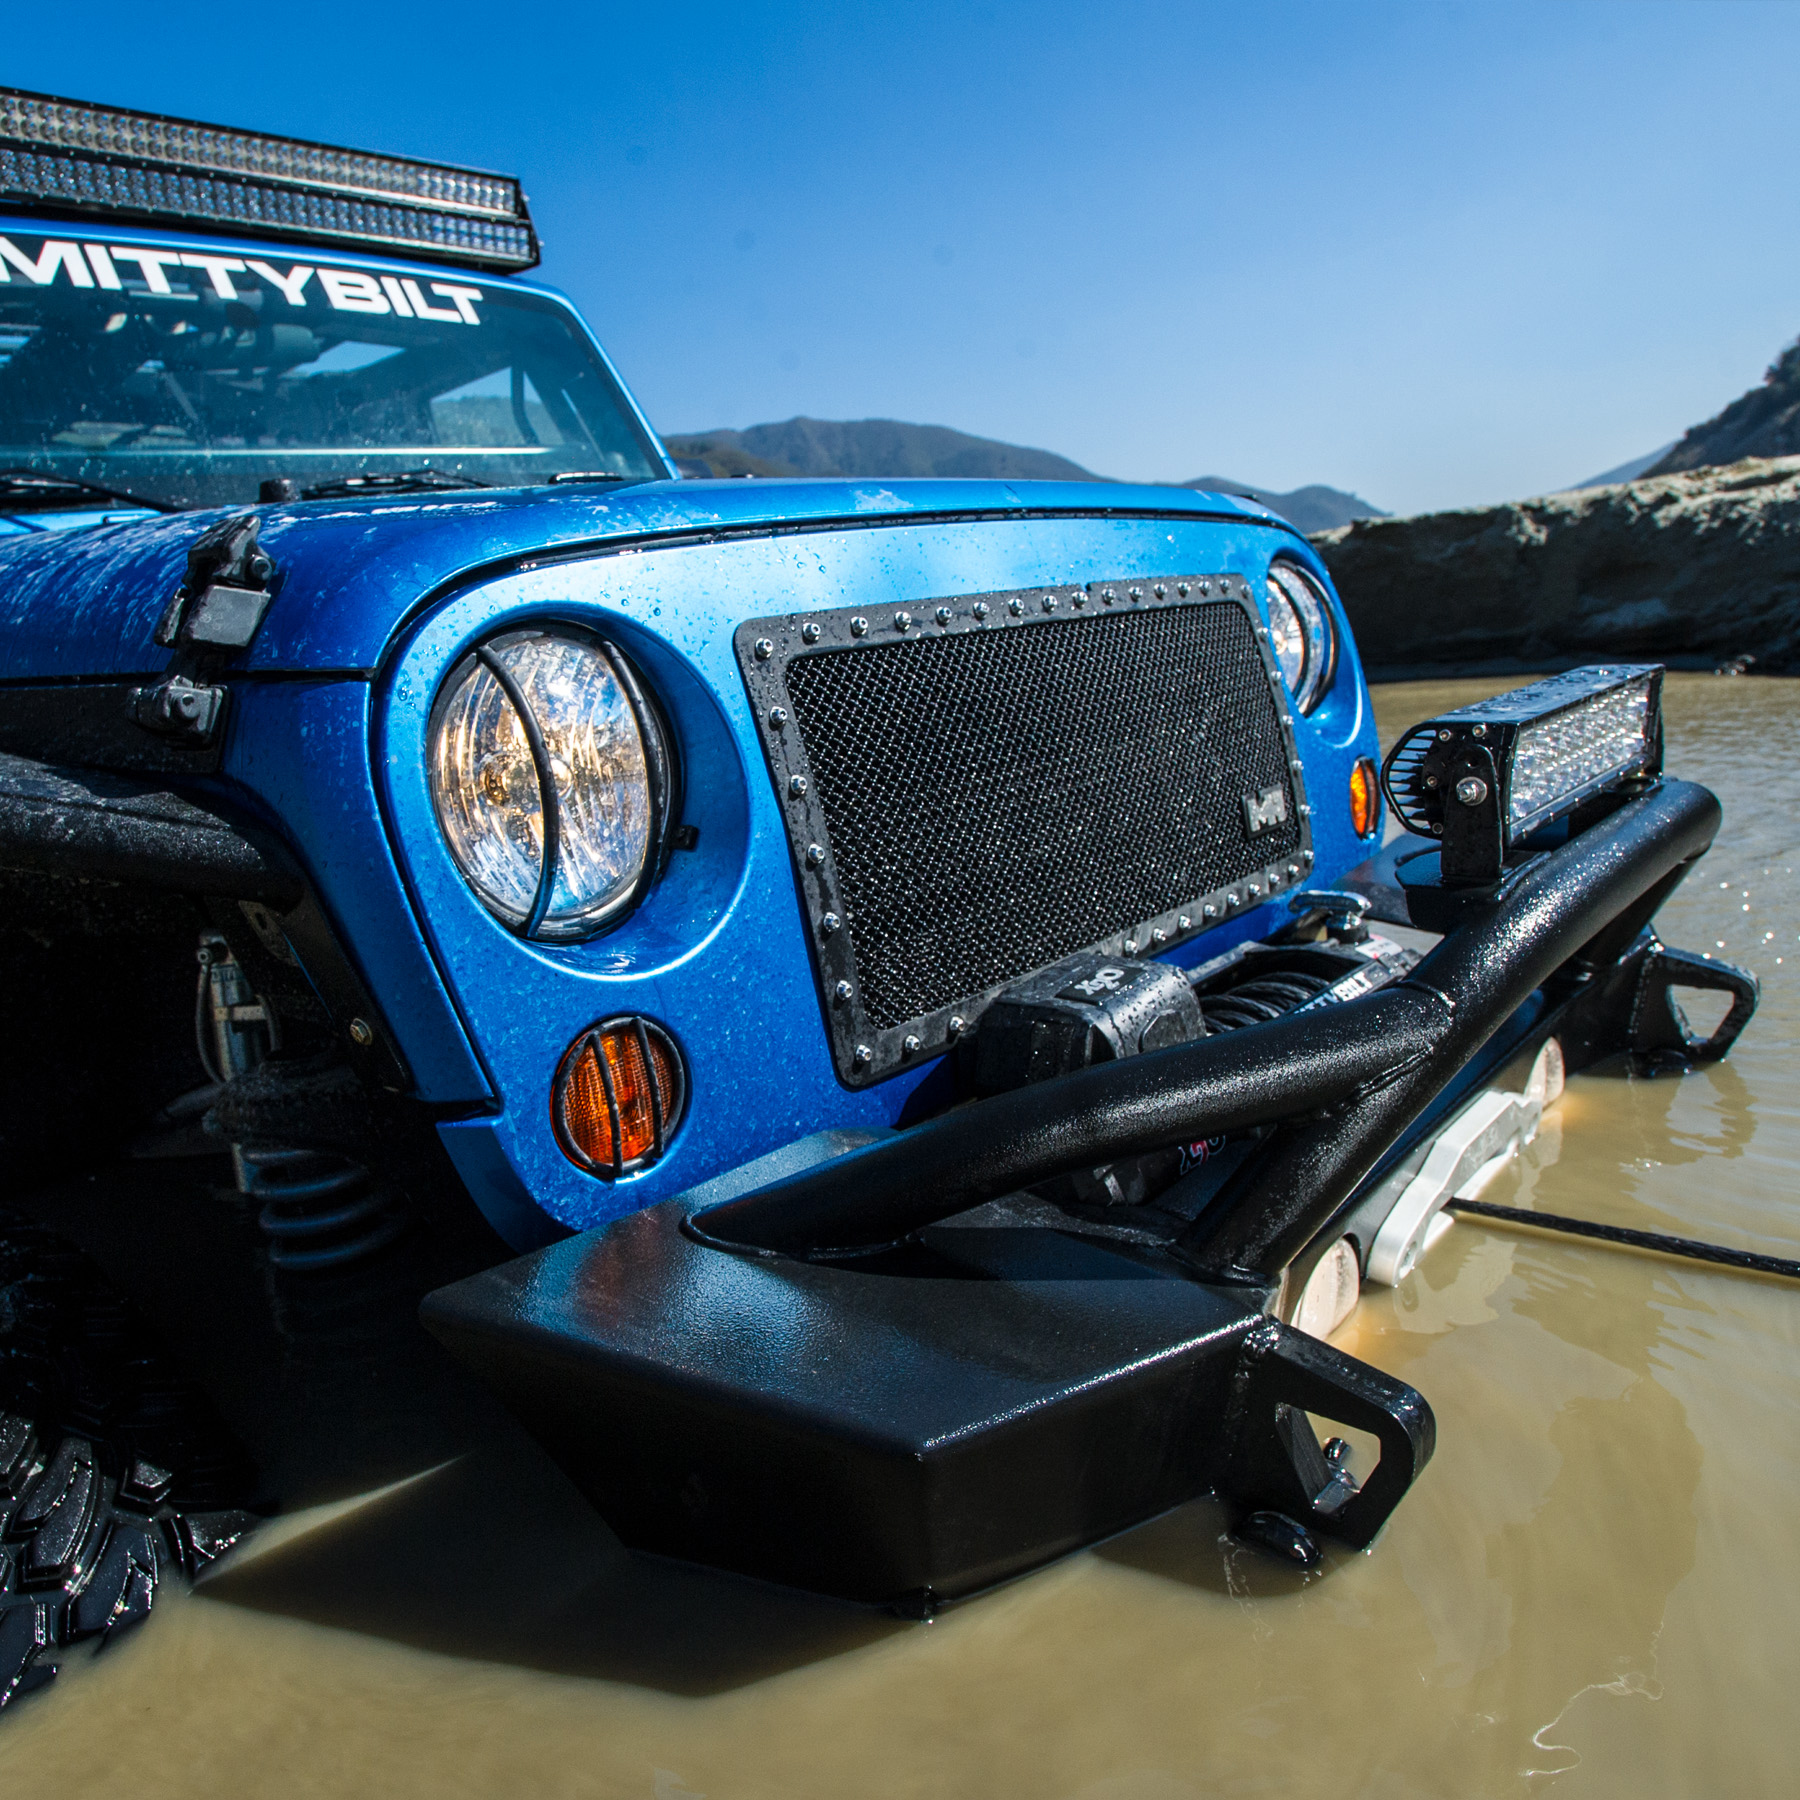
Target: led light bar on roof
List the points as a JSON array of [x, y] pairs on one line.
[[1553, 745], [67, 156]]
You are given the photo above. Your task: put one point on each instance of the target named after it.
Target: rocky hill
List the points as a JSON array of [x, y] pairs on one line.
[[870, 450], [892, 450], [1763, 422], [1700, 566], [1315, 508]]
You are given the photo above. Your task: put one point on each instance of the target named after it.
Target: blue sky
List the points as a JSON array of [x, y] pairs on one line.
[[1439, 254]]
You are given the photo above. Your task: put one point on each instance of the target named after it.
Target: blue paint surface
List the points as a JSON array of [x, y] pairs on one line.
[[377, 599], [718, 952]]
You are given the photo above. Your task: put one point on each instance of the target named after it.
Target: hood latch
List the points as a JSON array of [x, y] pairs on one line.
[[210, 618]]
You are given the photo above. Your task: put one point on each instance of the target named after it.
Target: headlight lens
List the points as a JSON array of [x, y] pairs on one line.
[[1300, 628], [607, 764]]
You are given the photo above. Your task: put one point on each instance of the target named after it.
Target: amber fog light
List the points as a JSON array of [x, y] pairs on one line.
[[619, 1095], [1365, 797]]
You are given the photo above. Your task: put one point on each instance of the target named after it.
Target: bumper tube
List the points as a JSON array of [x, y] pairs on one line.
[[1573, 911], [1374, 1063]]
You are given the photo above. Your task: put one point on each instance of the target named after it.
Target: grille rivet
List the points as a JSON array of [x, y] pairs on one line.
[[1443, 737], [1296, 766], [1159, 936], [1131, 948], [1255, 889], [778, 716], [1049, 603], [797, 786], [903, 621], [1137, 594], [765, 648], [909, 1045], [1480, 731], [1305, 810], [1080, 599], [943, 615], [864, 1056], [956, 1025], [1106, 594], [829, 923], [1181, 587], [815, 856], [1160, 590], [1184, 923], [1015, 606], [1231, 899], [980, 609], [1206, 587], [1293, 871], [1437, 830], [842, 992], [1209, 911], [810, 632], [1431, 781], [858, 627]]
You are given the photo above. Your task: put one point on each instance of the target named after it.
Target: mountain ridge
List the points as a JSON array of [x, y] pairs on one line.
[[895, 450]]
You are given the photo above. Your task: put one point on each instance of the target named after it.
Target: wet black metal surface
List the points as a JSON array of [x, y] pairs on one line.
[[117, 827], [916, 1428]]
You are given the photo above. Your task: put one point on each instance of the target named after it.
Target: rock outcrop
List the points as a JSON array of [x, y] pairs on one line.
[[1700, 568], [1763, 422]]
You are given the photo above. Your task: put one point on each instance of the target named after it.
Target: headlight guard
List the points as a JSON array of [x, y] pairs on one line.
[[1301, 633], [553, 779]]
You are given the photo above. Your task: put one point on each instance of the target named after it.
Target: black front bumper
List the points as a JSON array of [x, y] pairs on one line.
[[845, 1380]]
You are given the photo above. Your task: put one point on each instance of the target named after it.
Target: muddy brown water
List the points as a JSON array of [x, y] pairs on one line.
[[1591, 1589]]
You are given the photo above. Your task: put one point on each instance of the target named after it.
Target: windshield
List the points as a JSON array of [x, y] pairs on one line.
[[190, 379]]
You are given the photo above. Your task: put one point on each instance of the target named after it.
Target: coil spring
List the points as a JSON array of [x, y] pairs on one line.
[[1268, 997], [320, 1210]]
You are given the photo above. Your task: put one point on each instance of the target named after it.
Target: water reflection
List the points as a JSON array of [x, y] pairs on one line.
[[1587, 1591]]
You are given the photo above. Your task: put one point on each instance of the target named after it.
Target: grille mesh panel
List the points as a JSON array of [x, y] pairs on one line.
[[999, 799]]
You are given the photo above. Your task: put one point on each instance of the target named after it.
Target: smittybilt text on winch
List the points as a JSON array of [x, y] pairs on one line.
[[898, 959]]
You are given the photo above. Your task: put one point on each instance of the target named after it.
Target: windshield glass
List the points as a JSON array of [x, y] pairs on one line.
[[190, 378]]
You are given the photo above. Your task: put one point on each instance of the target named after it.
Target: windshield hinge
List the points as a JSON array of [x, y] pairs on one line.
[[210, 618]]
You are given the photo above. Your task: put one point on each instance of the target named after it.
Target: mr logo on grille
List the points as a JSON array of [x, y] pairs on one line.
[[978, 786]]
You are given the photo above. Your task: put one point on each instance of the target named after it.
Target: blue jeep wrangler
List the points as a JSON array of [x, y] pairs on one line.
[[892, 961]]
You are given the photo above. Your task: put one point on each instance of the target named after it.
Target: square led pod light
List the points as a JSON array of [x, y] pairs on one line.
[[1553, 744]]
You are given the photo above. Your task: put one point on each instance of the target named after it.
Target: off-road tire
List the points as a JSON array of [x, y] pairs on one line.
[[115, 1473]]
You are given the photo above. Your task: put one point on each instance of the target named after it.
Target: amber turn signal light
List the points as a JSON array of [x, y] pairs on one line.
[[1365, 797], [619, 1094]]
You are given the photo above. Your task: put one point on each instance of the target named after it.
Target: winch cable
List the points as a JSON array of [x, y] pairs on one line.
[[1256, 1002], [1694, 1248]]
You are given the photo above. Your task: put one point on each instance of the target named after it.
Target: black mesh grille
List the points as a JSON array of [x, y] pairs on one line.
[[999, 799]]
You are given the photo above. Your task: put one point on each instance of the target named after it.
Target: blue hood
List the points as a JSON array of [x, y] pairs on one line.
[[85, 603]]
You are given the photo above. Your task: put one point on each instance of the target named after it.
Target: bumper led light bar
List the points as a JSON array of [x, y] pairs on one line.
[[66, 156], [1486, 776]]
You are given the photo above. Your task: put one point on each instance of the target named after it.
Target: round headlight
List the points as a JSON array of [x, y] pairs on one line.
[[1301, 633], [550, 713]]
